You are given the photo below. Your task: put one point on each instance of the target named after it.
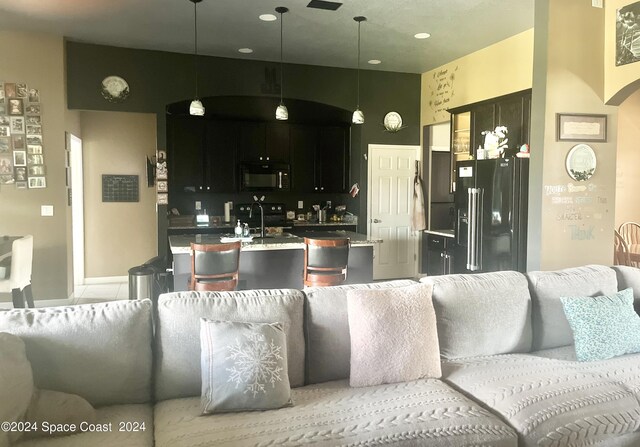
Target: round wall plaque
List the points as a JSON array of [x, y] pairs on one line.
[[392, 122], [115, 89]]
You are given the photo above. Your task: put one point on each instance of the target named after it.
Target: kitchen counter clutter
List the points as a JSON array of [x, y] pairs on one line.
[[178, 223], [287, 241], [274, 262]]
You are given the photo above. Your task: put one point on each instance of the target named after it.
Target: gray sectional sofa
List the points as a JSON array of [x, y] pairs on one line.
[[510, 377]]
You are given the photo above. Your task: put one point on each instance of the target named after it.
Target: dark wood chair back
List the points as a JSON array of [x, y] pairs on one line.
[[325, 261], [621, 251], [214, 266]]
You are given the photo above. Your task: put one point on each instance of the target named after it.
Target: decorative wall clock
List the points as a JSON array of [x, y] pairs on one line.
[[115, 89]]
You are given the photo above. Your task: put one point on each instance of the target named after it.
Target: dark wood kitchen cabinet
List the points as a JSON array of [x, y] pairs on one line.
[[202, 155], [437, 254], [260, 142], [320, 158], [512, 111], [221, 142]]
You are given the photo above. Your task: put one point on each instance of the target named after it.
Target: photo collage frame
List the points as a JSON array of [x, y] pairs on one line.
[[21, 145]]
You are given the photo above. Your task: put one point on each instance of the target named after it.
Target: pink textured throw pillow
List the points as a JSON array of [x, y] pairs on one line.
[[393, 335]]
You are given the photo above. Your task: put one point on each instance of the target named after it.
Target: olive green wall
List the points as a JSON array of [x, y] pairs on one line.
[[159, 78]]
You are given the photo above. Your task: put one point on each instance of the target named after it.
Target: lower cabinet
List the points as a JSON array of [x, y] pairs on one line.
[[437, 254]]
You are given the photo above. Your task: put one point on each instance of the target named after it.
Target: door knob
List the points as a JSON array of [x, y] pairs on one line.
[[377, 221]]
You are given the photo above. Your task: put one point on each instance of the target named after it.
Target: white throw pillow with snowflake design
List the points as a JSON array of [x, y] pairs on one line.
[[244, 366]]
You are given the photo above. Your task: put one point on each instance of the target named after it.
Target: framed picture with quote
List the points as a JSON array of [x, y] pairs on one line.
[[581, 127]]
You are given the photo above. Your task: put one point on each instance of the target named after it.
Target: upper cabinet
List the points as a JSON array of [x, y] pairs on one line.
[[320, 158], [202, 155], [260, 142], [468, 122]]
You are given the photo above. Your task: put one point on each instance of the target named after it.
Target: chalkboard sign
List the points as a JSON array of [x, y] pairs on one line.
[[120, 188]]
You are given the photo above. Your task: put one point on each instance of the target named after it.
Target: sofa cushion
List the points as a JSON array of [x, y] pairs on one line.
[[629, 277], [244, 366], [603, 326], [420, 413], [101, 352], [393, 335], [177, 355], [549, 402], [624, 370], [116, 425], [482, 314], [16, 384], [550, 326], [327, 329], [55, 407]]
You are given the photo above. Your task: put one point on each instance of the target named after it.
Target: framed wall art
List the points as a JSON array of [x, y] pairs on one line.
[[581, 127]]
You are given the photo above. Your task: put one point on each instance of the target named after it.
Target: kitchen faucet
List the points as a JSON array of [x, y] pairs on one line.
[[261, 215]]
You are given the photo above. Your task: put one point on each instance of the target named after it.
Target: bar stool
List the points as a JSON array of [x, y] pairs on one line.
[[19, 281], [214, 266], [325, 261]]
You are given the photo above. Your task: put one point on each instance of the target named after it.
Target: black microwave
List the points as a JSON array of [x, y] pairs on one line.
[[264, 177]]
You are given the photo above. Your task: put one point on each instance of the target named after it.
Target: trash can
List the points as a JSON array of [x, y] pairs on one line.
[[141, 279]]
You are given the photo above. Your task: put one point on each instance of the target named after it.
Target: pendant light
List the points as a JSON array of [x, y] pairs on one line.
[[196, 108], [358, 116], [282, 114]]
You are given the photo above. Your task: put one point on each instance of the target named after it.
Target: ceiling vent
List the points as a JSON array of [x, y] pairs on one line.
[[323, 4]]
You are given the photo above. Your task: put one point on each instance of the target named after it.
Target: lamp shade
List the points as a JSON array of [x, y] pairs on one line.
[[282, 113], [196, 108], [358, 117]]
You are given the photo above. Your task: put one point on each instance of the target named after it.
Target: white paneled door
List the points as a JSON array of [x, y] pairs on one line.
[[391, 174]]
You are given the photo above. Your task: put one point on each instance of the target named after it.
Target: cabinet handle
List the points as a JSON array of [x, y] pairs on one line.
[[322, 188], [260, 158], [267, 158], [201, 188], [208, 188], [377, 221], [316, 188]]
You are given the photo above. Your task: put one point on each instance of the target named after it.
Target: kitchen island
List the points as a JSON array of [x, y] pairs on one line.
[[274, 262]]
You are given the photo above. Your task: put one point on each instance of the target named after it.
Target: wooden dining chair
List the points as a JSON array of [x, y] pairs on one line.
[[630, 232], [325, 261], [19, 280], [214, 267], [621, 251]]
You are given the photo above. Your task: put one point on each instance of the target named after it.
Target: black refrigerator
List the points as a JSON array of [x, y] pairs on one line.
[[491, 200]]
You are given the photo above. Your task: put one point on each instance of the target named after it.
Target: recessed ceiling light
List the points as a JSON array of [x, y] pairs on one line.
[[375, 61], [422, 36], [267, 17], [245, 50]]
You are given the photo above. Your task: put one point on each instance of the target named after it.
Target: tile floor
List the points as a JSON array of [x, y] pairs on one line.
[[96, 293]]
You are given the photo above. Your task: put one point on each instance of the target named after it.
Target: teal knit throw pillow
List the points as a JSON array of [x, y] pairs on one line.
[[603, 326]]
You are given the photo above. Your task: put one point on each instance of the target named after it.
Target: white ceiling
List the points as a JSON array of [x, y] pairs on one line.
[[311, 36]]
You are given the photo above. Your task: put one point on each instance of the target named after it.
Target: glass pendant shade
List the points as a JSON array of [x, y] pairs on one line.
[[282, 113], [196, 108], [358, 117]]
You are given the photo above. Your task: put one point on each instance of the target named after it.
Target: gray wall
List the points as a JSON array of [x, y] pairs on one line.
[[157, 79]]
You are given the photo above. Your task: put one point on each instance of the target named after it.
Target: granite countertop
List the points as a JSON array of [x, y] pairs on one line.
[[180, 244], [188, 222], [445, 233]]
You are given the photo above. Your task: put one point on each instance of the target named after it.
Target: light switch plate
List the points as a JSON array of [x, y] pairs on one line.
[[46, 210], [300, 204], [597, 3], [198, 205]]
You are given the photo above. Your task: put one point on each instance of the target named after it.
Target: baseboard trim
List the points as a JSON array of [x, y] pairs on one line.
[[42, 303], [105, 280]]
